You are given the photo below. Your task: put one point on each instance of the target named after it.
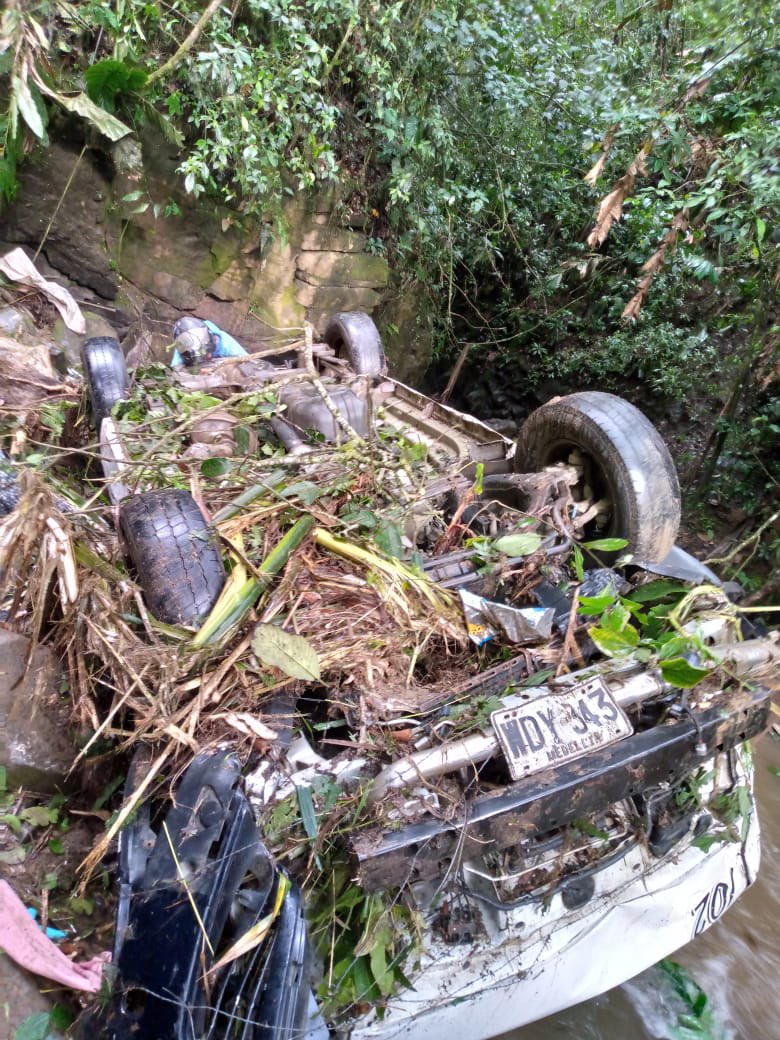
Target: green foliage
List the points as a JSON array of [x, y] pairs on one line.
[[459, 133], [44, 1025], [646, 626], [108, 79], [696, 1020], [365, 939]]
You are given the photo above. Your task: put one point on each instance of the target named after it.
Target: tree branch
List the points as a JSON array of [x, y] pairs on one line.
[[187, 45]]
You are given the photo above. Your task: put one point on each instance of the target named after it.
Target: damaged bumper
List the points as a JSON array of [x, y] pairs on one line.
[[543, 955], [550, 799]]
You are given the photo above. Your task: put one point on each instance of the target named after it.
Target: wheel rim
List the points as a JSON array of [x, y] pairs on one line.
[[595, 484]]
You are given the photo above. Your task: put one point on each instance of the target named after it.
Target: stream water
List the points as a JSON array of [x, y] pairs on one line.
[[736, 962]]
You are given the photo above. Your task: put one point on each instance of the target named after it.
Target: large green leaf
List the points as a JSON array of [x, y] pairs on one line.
[[387, 538], [614, 644], [34, 1027], [305, 490], [606, 544], [27, 107], [682, 674], [595, 604], [217, 466], [616, 618], [518, 544], [83, 106], [655, 591], [291, 654]]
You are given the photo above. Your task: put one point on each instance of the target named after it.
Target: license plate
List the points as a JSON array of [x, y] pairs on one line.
[[558, 728]]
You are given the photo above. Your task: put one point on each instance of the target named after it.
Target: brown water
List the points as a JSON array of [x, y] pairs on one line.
[[736, 962]]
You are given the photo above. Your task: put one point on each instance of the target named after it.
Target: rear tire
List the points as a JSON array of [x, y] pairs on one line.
[[106, 372], [626, 461], [354, 336], [174, 554]]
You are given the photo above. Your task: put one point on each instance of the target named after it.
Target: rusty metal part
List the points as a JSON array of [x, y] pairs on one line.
[[554, 797], [453, 439], [217, 425]]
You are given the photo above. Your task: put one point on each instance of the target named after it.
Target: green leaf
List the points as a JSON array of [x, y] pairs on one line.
[[105, 79], [13, 857], [34, 1027], [56, 847], [39, 815], [81, 905], [292, 654], [706, 841], [760, 230], [614, 644], [305, 490], [518, 544], [671, 645], [81, 105], [606, 544], [27, 106], [113, 784], [61, 1018], [616, 618], [682, 674], [306, 809], [387, 538], [365, 988], [654, 591], [538, 679], [595, 604], [579, 564], [361, 516], [12, 822], [383, 976], [243, 438], [216, 467]]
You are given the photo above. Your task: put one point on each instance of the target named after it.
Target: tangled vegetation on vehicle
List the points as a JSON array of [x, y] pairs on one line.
[[318, 599]]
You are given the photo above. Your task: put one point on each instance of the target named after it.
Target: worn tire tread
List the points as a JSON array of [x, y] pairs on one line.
[[631, 453], [174, 554], [354, 335], [106, 373]]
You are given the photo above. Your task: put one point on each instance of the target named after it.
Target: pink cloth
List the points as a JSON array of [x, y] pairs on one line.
[[26, 943]]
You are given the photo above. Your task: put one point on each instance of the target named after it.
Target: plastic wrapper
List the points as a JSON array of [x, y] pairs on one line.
[[485, 619]]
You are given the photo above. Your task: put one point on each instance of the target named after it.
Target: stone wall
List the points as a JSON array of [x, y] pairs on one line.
[[138, 253]]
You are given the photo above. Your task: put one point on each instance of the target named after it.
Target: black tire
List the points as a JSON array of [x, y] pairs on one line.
[[354, 336], [174, 554], [626, 461], [106, 373]]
